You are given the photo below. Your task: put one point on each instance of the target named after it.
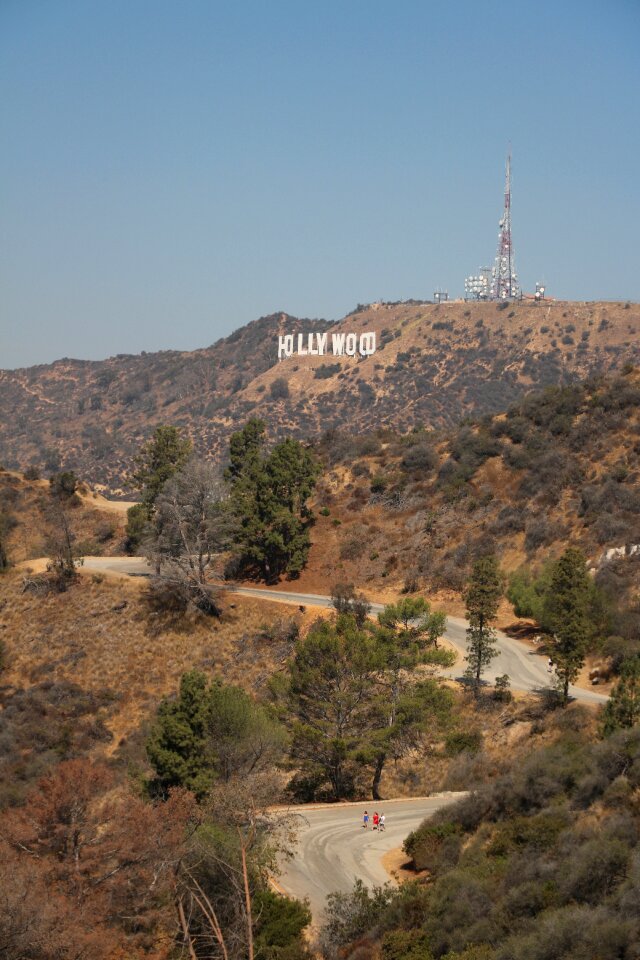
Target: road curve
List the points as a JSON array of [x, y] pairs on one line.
[[525, 667], [333, 848]]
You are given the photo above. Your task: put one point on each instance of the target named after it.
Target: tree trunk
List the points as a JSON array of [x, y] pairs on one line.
[[377, 776]]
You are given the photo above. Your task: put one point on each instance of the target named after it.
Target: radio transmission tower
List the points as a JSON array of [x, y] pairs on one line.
[[504, 280]]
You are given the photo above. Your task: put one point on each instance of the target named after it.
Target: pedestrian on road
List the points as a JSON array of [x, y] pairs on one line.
[[381, 822], [376, 820], [365, 820]]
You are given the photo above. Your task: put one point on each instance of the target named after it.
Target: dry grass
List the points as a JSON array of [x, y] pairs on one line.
[[95, 522], [101, 635]]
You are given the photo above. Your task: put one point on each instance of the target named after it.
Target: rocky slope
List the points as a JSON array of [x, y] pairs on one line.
[[433, 365], [560, 468]]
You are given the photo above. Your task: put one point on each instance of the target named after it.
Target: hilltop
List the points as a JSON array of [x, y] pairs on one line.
[[434, 365]]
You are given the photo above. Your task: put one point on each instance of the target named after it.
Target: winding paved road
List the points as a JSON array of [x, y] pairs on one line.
[[526, 668], [334, 850]]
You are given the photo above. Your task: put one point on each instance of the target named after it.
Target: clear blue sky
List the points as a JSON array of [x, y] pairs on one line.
[[171, 170]]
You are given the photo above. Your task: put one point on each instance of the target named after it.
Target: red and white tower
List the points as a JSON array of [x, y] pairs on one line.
[[504, 280]]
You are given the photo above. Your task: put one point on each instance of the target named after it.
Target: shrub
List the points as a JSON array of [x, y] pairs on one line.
[[326, 370], [361, 470], [64, 484], [353, 548], [461, 741], [32, 473], [105, 531], [405, 945], [540, 831], [420, 457], [434, 845], [411, 582], [378, 484], [351, 915], [593, 869], [501, 691], [279, 389], [538, 531]]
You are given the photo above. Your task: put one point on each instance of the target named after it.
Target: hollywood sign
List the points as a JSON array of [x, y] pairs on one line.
[[319, 345]]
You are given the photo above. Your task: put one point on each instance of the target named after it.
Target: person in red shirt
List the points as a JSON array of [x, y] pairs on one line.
[[376, 821]]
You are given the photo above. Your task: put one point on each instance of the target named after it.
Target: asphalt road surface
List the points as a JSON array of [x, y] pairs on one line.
[[334, 850], [527, 670]]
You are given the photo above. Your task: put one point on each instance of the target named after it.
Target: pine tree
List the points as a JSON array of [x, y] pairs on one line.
[[331, 692], [159, 459], [245, 449], [482, 597], [176, 745], [407, 637], [567, 613], [623, 707], [354, 700], [269, 494], [210, 732]]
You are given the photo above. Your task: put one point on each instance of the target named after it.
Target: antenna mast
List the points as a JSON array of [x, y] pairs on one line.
[[504, 281]]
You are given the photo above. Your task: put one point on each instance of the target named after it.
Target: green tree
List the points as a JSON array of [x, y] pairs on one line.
[[331, 691], [623, 706], [482, 597], [407, 637], [242, 737], [355, 701], [401, 720], [159, 459], [210, 732], [416, 617], [279, 927], [138, 527], [176, 745], [567, 616], [269, 495], [162, 456], [245, 449]]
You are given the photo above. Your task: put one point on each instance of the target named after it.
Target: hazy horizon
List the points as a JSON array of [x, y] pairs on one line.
[[172, 172]]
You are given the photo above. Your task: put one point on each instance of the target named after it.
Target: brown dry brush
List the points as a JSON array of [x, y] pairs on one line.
[[88, 870], [106, 859]]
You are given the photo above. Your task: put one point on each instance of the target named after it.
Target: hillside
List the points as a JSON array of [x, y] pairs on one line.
[[100, 656], [434, 364], [560, 467], [97, 524]]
